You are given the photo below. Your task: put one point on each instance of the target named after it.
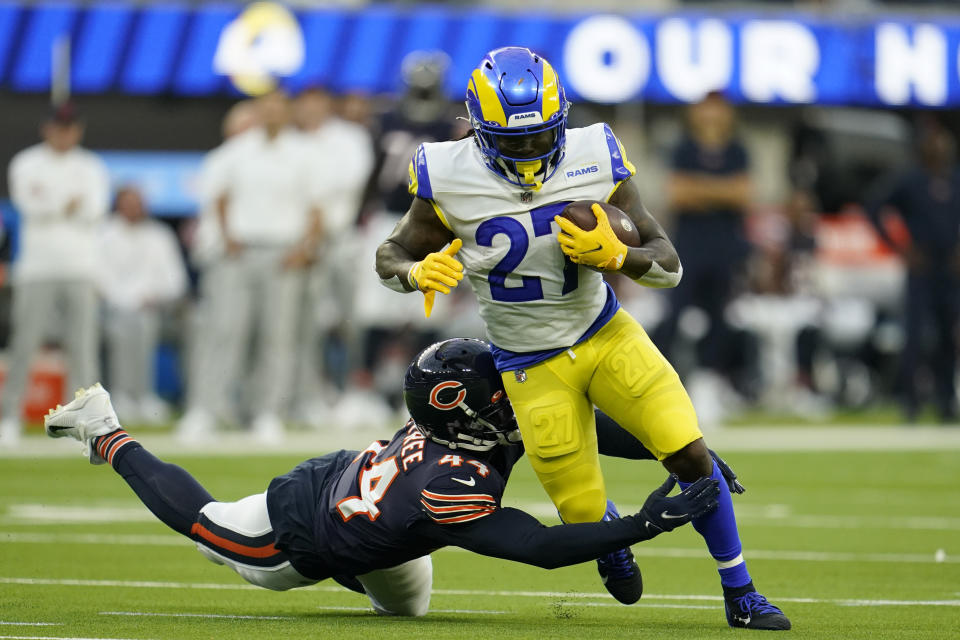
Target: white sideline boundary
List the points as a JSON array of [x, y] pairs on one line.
[[724, 440], [851, 602]]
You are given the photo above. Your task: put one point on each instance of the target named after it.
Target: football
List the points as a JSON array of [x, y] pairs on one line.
[[580, 214]]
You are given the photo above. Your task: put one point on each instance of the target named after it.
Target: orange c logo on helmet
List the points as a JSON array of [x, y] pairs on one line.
[[449, 384]]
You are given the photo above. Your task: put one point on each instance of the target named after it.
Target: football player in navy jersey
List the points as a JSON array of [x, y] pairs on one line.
[[370, 519]]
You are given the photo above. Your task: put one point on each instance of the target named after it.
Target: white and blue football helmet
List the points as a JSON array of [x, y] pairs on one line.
[[518, 112]]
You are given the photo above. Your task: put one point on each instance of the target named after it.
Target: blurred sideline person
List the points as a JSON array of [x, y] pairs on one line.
[[423, 113], [369, 519], [271, 229], [341, 158], [709, 192], [208, 256], [561, 341], [142, 274], [61, 191], [926, 195], [207, 246]]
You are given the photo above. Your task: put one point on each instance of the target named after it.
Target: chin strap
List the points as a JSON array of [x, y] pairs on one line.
[[528, 172]]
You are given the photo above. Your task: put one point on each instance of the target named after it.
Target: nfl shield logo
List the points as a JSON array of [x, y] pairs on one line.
[[520, 375], [526, 196]]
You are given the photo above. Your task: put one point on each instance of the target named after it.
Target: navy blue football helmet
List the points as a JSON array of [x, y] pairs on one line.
[[456, 397]]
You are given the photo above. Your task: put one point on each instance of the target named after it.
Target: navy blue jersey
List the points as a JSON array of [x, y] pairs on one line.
[[397, 140], [709, 234], [353, 512], [929, 205]]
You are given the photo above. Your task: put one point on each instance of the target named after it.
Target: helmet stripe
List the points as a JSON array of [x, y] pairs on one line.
[[550, 93], [490, 105]]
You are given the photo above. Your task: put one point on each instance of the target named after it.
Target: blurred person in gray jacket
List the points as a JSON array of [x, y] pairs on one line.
[[61, 192]]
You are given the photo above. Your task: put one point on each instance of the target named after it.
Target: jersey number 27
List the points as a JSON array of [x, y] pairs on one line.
[[531, 288]]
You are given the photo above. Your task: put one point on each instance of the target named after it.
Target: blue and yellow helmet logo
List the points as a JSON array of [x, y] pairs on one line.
[[265, 41]]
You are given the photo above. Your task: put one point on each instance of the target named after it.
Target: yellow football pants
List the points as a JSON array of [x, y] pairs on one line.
[[620, 371]]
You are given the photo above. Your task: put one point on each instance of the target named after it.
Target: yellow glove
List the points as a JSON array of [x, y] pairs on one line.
[[439, 271], [600, 247]]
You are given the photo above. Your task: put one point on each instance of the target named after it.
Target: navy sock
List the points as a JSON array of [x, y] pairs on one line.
[[171, 494], [719, 529]]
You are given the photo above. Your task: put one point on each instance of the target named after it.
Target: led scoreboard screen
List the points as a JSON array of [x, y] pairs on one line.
[[223, 49]]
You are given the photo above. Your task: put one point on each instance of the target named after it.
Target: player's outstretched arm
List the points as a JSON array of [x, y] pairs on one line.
[[655, 263], [418, 234], [512, 534]]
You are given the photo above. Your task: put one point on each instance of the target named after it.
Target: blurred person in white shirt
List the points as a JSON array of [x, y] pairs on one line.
[[271, 229], [208, 257], [61, 192], [207, 245], [142, 274], [341, 159]]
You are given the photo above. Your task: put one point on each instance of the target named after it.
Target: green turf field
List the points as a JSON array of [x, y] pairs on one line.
[[846, 543]]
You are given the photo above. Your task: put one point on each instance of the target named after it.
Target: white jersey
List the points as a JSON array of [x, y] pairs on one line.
[[268, 186], [58, 242], [531, 297], [140, 264]]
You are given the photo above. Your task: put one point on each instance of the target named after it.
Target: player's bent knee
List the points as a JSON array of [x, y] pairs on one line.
[[586, 507], [691, 462], [403, 590]]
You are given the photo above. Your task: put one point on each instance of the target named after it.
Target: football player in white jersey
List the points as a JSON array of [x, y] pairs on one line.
[[560, 339]]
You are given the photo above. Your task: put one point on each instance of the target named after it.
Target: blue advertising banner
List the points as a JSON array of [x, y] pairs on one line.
[[223, 49]]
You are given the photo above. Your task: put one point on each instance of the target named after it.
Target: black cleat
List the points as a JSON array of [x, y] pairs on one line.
[[618, 570], [747, 609], [621, 575]]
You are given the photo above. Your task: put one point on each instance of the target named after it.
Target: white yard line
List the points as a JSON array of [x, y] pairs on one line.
[[30, 624], [767, 515], [648, 605], [369, 609], [700, 553], [147, 540], [786, 438], [780, 515], [193, 615], [31, 512], [61, 638], [468, 592], [807, 556], [134, 539]]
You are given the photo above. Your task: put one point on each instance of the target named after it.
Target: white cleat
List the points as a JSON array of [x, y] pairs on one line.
[[87, 416]]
